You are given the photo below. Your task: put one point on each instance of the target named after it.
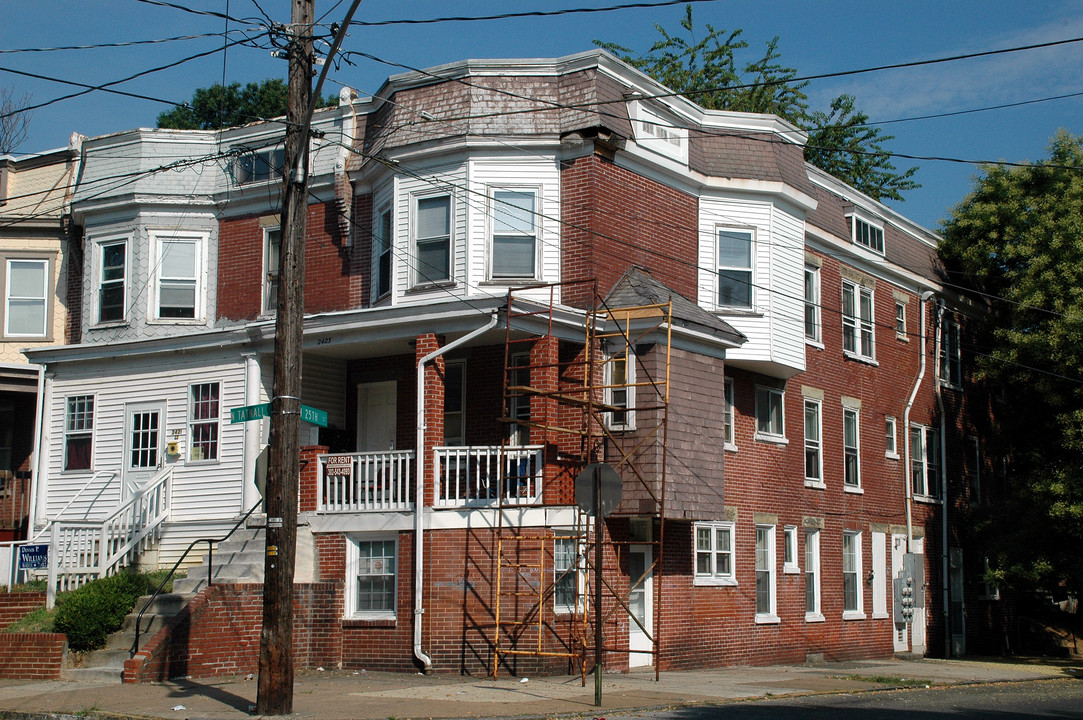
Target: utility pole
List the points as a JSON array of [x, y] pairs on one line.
[[276, 672]]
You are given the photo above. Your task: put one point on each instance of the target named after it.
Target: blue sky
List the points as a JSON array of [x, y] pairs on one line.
[[814, 38]]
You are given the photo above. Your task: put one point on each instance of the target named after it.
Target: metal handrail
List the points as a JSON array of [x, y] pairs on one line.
[[210, 569]]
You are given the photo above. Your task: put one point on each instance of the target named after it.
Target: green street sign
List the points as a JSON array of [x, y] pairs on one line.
[[250, 412], [262, 410]]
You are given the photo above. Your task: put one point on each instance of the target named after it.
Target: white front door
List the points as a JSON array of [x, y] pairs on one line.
[[144, 434], [641, 606], [376, 416]]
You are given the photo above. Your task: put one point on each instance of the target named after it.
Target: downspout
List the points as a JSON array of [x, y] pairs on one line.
[[906, 427], [36, 465], [419, 490], [944, 569]]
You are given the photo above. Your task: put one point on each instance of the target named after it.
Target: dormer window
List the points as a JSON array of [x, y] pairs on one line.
[[658, 132], [259, 166], [867, 233]]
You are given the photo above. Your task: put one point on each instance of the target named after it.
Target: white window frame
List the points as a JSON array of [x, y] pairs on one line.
[[851, 450], [383, 243], [891, 438], [813, 324], [455, 366], [79, 430], [858, 329], [41, 300], [766, 433], [766, 571], [750, 269], [511, 232], [920, 456], [951, 356], [867, 233], [213, 424], [353, 572], [658, 133], [900, 321], [728, 417], [855, 574], [577, 569], [713, 576], [100, 247], [789, 550], [989, 592], [812, 574], [420, 278], [270, 269], [159, 241], [814, 443], [621, 395]]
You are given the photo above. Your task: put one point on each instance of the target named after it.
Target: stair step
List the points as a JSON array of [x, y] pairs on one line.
[[95, 674], [249, 571], [106, 658]]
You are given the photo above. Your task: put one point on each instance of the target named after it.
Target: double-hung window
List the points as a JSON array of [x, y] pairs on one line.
[[259, 166], [891, 443], [812, 576], [765, 574], [770, 423], [569, 575], [714, 554], [951, 359], [371, 578], [857, 320], [78, 431], [852, 600], [112, 285], [455, 402], [381, 263], [620, 389], [900, 321], [514, 234], [204, 421], [272, 254], [178, 273], [851, 450], [789, 550], [26, 298], [432, 239], [812, 303], [734, 268], [813, 443], [727, 414], [924, 461]]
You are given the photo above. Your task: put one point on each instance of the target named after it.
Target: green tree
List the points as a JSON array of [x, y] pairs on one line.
[[1018, 238], [708, 72], [221, 106]]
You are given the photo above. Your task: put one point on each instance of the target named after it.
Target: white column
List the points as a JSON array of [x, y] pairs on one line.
[[249, 492]]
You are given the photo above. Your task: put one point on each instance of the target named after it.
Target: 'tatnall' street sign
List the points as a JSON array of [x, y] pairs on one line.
[[262, 410]]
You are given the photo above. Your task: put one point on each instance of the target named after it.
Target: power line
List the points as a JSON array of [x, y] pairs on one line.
[[533, 13], [129, 43], [209, 13]]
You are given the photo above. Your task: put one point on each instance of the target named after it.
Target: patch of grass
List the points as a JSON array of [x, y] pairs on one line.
[[28, 586], [40, 620], [87, 711]]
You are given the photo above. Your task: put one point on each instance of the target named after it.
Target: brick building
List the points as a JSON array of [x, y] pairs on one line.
[[515, 270]]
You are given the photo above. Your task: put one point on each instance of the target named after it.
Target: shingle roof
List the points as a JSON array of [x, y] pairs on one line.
[[638, 287]]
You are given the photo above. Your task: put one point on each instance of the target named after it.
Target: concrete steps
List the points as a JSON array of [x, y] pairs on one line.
[[107, 665], [237, 560]]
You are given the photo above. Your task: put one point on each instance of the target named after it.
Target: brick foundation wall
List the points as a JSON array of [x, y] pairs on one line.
[[15, 606], [32, 656]]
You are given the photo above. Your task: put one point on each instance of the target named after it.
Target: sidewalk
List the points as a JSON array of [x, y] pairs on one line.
[[347, 695]]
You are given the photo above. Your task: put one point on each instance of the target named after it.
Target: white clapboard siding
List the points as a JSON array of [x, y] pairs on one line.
[[775, 332], [201, 491], [177, 536], [529, 172], [429, 181]]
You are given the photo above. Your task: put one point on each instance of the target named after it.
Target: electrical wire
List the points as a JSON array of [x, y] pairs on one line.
[[526, 14], [129, 43], [209, 13]]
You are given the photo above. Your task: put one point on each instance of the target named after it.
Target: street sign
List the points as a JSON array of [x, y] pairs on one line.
[[33, 557], [262, 410], [250, 412], [609, 488]]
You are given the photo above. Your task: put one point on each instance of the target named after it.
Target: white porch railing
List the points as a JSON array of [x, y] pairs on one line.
[[82, 550], [366, 481], [471, 475]]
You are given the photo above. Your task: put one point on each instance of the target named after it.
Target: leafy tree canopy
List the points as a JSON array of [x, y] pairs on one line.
[[708, 72], [221, 106], [1018, 237]]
